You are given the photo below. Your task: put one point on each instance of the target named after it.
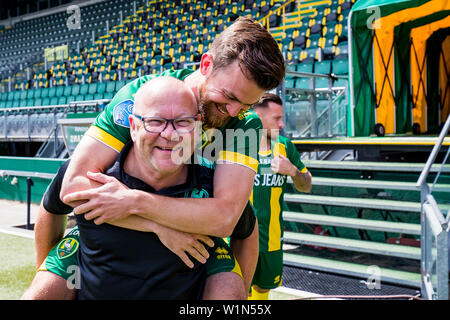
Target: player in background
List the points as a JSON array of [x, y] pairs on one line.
[[278, 159]]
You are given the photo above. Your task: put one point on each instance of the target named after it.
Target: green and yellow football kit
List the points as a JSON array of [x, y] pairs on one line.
[[236, 142], [267, 200]]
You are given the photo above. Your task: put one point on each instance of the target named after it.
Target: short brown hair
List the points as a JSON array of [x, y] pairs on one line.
[[266, 98], [257, 52]]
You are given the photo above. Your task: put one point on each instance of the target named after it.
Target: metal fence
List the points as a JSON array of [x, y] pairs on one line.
[[316, 105], [434, 232]]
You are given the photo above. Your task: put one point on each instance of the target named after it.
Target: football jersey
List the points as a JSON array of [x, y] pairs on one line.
[[237, 141], [268, 192]]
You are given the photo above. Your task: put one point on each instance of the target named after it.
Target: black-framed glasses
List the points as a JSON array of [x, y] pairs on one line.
[[158, 125]]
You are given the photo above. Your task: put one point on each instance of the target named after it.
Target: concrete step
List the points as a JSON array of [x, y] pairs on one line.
[[373, 184], [387, 249], [373, 166], [354, 223], [365, 203]]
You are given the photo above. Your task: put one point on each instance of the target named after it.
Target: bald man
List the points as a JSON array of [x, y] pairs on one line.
[[135, 258]]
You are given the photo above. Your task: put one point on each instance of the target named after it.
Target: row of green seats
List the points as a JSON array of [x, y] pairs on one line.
[[62, 100], [60, 95]]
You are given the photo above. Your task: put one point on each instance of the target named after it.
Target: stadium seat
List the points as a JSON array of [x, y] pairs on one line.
[[38, 102], [75, 90], [340, 67], [120, 84], [306, 67], [322, 67], [23, 94], [101, 87], [84, 88], [45, 93], [16, 95], [110, 87], [67, 91], [62, 100], [53, 101], [92, 89]]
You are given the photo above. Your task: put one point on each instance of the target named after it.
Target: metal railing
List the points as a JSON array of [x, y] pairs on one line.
[[18, 123], [29, 176], [327, 122], [434, 232], [280, 11], [301, 9]]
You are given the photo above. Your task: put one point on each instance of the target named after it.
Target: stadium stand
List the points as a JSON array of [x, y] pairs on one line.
[[156, 35]]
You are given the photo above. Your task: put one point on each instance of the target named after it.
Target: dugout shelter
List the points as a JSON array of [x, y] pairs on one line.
[[399, 53]]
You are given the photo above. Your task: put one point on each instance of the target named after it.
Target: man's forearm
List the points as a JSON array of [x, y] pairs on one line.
[[49, 229], [137, 223], [302, 181], [202, 216], [215, 216], [246, 252], [89, 155]]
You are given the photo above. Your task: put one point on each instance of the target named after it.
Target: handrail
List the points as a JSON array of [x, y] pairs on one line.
[[434, 232], [325, 111], [309, 8], [423, 176], [265, 19], [81, 103], [27, 174]]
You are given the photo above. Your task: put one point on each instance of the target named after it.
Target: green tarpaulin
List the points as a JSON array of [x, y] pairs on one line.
[[390, 80]]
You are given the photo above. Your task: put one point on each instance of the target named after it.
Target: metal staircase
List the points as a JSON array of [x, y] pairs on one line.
[[336, 205]]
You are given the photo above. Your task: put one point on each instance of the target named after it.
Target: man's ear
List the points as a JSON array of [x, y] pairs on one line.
[[206, 63], [132, 127]]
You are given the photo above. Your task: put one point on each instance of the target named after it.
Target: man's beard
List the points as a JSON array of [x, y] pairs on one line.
[[209, 114]]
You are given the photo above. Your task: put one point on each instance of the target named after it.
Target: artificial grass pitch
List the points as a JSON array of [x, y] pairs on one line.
[[17, 265]]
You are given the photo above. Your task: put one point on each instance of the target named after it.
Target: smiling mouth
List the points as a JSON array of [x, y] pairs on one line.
[[219, 109], [167, 149]]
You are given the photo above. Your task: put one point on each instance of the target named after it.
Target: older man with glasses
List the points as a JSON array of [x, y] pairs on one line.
[[135, 258]]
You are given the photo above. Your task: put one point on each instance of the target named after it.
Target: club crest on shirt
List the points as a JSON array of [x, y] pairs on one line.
[[122, 111], [195, 193], [67, 247]]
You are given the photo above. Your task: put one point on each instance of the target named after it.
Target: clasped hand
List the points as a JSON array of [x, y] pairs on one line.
[[109, 202]]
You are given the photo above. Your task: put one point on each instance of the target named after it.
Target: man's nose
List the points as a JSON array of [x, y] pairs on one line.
[[169, 132], [234, 108]]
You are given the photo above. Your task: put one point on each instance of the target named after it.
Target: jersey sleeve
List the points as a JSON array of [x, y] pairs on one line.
[[241, 141], [52, 202], [111, 127], [246, 223], [294, 156]]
